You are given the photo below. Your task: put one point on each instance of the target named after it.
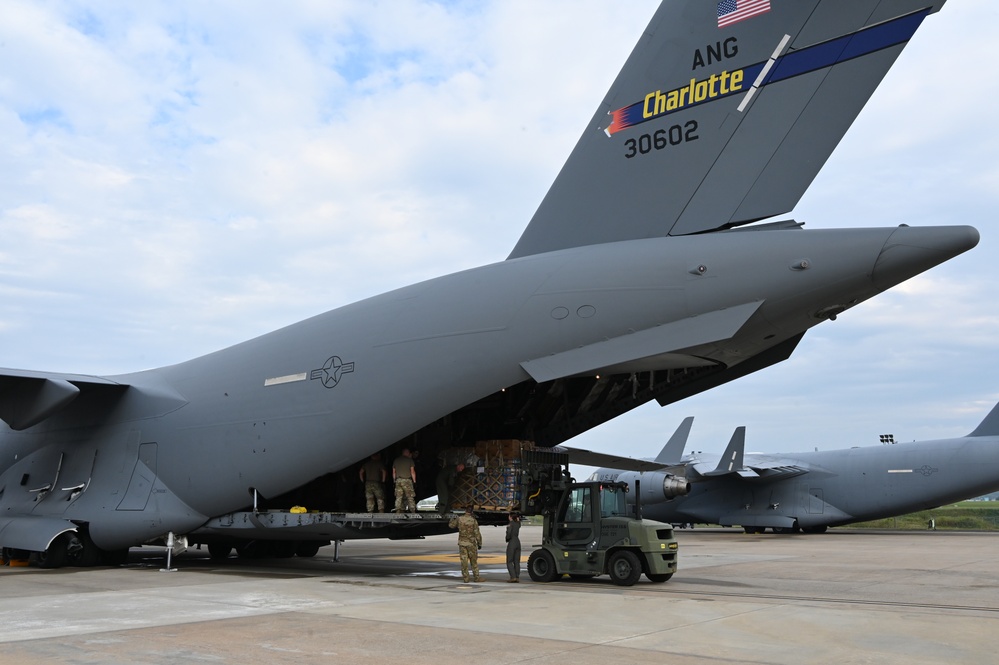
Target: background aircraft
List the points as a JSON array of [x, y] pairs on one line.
[[809, 491], [631, 283]]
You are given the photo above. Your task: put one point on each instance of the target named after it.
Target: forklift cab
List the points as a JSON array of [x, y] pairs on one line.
[[578, 520]]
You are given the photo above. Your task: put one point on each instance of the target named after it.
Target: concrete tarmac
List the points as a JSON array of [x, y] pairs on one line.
[[843, 597]]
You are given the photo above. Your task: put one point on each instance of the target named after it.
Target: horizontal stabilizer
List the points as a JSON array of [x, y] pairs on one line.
[[28, 398], [34, 534], [594, 358]]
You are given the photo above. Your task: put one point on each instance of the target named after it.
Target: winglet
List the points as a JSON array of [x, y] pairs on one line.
[[672, 452], [732, 460]]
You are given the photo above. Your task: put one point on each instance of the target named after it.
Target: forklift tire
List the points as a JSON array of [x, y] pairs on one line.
[[541, 566], [624, 568], [659, 578]]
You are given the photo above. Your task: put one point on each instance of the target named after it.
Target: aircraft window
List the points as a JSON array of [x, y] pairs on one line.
[[578, 506], [612, 502]]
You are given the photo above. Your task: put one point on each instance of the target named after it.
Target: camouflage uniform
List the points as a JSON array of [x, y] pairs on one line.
[[373, 474], [469, 542], [403, 470]]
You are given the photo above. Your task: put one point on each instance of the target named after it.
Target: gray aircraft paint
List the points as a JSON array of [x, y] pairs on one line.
[[812, 490], [590, 317], [766, 145]]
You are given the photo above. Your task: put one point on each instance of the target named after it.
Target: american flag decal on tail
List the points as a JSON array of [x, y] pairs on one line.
[[733, 11]]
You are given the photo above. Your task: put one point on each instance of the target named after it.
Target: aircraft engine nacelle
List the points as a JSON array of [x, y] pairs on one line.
[[674, 487], [656, 487]]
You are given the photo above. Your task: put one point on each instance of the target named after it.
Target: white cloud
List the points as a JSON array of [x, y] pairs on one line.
[[178, 177]]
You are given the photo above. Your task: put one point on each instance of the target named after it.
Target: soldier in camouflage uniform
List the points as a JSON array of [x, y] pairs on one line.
[[373, 475], [469, 543], [404, 475]]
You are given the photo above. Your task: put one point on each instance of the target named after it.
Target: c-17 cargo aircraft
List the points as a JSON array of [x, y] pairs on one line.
[[808, 491], [637, 279]]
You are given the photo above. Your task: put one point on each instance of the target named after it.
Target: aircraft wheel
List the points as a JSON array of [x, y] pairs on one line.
[[284, 549], [219, 551], [659, 578], [57, 554], [83, 552], [784, 531], [624, 568], [11, 554], [541, 566], [754, 529], [815, 529], [254, 549]]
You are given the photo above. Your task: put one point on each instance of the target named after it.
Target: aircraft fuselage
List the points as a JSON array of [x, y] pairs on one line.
[[844, 486], [193, 440]]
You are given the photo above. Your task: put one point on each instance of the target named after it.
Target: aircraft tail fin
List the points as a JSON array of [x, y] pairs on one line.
[[989, 426], [733, 458], [722, 115], [672, 452]]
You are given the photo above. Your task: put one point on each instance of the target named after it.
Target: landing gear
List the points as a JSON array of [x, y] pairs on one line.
[[308, 548], [785, 531], [815, 529], [77, 549], [56, 555], [83, 552]]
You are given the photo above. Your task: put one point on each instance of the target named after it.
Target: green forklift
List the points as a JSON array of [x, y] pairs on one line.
[[592, 531]]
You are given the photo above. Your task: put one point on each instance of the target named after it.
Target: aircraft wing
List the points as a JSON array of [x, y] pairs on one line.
[[774, 469], [754, 468], [727, 127], [620, 462], [668, 459], [27, 398]]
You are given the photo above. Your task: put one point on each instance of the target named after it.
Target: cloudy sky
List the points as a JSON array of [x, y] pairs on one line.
[[177, 177]]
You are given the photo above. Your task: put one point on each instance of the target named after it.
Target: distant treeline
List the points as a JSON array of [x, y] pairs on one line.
[[964, 516]]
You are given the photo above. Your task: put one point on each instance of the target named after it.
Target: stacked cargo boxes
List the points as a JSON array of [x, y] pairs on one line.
[[491, 479], [498, 473]]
